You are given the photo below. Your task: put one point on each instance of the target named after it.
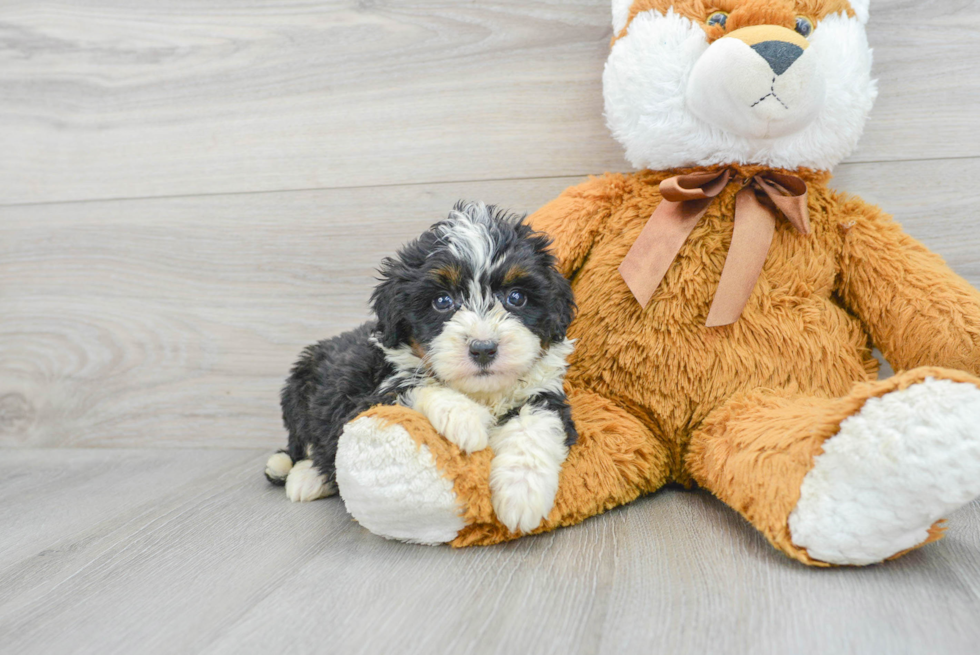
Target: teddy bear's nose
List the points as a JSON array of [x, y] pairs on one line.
[[780, 55]]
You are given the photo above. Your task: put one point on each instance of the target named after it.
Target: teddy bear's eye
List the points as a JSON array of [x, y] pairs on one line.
[[804, 25], [718, 18]]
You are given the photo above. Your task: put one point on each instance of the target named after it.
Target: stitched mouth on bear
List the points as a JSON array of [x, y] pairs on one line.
[[757, 90]]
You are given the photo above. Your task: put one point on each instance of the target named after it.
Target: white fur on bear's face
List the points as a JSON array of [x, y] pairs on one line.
[[861, 9], [732, 87], [645, 87], [620, 14]]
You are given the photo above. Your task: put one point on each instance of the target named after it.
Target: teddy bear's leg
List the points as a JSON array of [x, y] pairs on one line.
[[853, 480], [402, 480]]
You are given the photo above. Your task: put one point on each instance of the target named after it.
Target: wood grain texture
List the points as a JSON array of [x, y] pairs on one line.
[[173, 322], [168, 323], [110, 99], [219, 562]]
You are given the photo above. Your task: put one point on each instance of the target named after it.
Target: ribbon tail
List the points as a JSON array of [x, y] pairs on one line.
[[789, 195], [751, 238], [655, 249]]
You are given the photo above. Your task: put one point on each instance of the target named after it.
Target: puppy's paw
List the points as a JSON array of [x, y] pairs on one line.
[[521, 498], [467, 428], [305, 483], [456, 417], [277, 468], [528, 454]]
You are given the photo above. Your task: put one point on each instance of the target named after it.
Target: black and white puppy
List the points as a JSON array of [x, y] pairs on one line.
[[470, 331]]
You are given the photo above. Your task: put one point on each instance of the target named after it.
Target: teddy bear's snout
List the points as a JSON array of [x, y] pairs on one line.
[[778, 54], [758, 82]]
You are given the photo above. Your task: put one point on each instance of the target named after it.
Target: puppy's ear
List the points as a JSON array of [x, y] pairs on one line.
[[562, 306], [388, 302]]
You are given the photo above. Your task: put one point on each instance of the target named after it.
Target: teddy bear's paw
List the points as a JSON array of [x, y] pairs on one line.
[[393, 487], [895, 468], [304, 483], [528, 454]]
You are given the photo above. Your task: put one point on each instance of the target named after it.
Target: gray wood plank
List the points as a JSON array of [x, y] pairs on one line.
[[109, 98], [223, 563], [676, 572], [34, 486], [172, 322], [163, 575]]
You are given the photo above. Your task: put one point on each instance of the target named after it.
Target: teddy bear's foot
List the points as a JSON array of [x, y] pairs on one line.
[[392, 486], [896, 467]]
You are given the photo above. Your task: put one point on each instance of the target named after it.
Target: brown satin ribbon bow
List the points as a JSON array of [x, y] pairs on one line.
[[685, 201]]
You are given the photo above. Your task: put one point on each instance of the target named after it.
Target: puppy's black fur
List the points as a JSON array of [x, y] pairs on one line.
[[336, 379]]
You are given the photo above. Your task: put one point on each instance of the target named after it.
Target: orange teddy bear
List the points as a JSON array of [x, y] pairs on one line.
[[729, 301]]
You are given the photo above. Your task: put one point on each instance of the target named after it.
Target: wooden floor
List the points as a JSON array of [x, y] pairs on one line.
[[192, 191], [190, 550]]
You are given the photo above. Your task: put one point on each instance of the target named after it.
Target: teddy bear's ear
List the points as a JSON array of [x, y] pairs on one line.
[[860, 7], [621, 13]]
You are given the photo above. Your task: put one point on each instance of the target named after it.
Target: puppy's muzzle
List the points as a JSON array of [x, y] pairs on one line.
[[483, 352]]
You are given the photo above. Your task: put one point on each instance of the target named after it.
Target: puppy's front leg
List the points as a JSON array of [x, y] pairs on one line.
[[459, 419], [529, 450]]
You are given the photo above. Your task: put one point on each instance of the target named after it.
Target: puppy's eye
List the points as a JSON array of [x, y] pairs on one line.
[[718, 18], [516, 299], [443, 303], [804, 25]]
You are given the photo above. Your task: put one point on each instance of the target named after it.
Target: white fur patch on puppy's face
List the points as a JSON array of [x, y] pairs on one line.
[[517, 350], [674, 99]]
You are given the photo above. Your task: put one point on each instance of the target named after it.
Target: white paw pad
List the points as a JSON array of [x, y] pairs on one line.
[[278, 466], [528, 454], [456, 417], [466, 429], [896, 467], [305, 483], [394, 488]]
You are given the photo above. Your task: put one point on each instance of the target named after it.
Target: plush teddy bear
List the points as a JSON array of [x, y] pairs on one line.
[[729, 301]]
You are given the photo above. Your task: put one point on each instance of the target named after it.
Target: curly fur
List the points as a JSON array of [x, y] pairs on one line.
[[422, 356]]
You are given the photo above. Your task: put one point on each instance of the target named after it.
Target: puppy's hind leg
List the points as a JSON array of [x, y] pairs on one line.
[[305, 482], [277, 468]]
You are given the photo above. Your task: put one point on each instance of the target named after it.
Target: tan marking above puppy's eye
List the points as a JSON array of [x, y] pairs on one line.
[[719, 18], [513, 274], [449, 274]]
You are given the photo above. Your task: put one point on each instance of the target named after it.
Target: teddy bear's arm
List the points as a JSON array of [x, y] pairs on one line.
[[573, 219], [918, 312]]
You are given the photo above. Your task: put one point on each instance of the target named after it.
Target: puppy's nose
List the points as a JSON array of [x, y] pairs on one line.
[[780, 55], [483, 352]]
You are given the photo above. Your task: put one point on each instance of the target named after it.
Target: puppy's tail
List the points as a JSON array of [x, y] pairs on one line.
[[278, 467]]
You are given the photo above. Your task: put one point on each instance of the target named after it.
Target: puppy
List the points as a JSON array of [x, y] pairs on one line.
[[470, 331]]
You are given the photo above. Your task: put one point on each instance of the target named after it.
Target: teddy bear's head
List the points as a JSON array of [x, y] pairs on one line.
[[781, 83]]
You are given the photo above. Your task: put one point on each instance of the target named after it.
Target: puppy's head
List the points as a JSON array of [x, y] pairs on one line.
[[475, 301]]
